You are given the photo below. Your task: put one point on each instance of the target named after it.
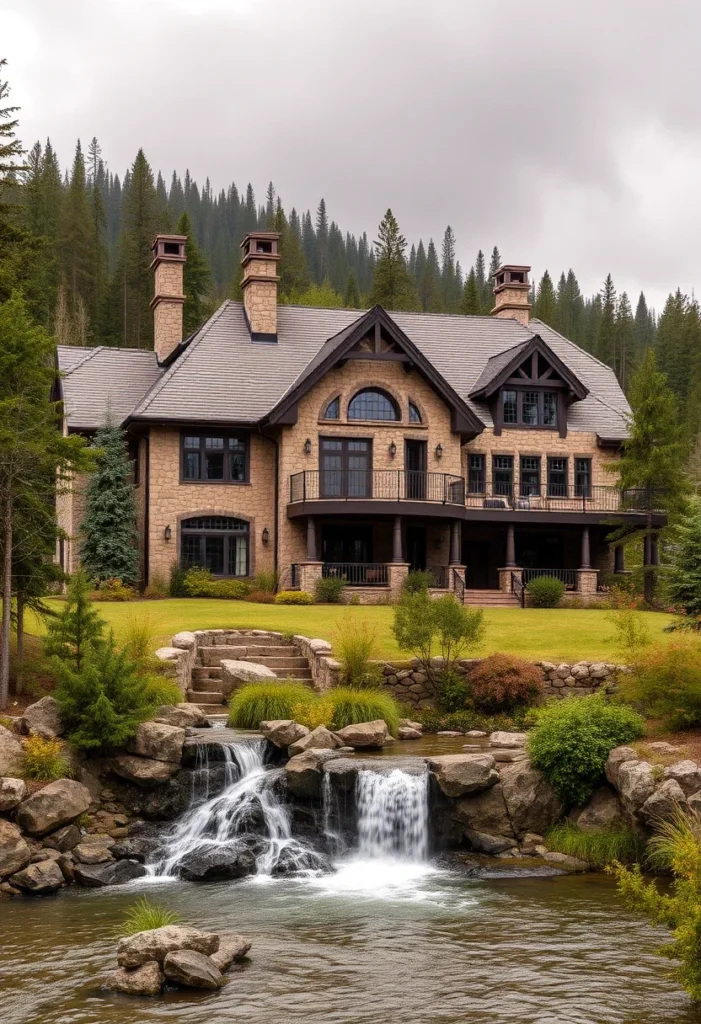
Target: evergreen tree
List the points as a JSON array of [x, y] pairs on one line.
[[684, 570], [196, 280], [351, 299], [391, 286], [471, 304], [671, 347], [494, 264], [140, 224], [625, 341], [294, 270], [322, 242], [449, 279], [75, 249], [98, 224], [109, 549], [606, 336], [78, 629], [430, 283], [17, 250], [484, 287], [545, 306], [644, 326]]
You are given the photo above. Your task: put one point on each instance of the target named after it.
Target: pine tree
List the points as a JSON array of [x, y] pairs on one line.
[[494, 263], [430, 283], [109, 549], [351, 299], [391, 286], [98, 223], [545, 306], [484, 287], [196, 280], [17, 250], [294, 270], [671, 347], [471, 304], [78, 629], [270, 207], [451, 295], [625, 341], [75, 236], [139, 226], [684, 570], [606, 336], [644, 326], [322, 242]]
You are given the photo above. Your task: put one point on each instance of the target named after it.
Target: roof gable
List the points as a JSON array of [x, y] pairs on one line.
[[525, 362]]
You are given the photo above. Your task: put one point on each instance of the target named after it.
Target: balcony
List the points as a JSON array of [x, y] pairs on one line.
[[552, 499], [376, 485]]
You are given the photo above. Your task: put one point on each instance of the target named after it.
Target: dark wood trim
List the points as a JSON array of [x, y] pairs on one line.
[[226, 435], [536, 346], [386, 357]]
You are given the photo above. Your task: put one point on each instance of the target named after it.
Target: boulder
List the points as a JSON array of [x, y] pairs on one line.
[[636, 784], [161, 742], [303, 773], [67, 866], [476, 734], [91, 853], [364, 734], [687, 774], [147, 980], [566, 863], [618, 757], [135, 848], [217, 862], [694, 802], [143, 771], [182, 716], [530, 843], [64, 839], [157, 803], [155, 944], [459, 774], [318, 739], [39, 879], [237, 673], [406, 733], [282, 732], [532, 803], [602, 810], [42, 719], [45, 854], [12, 792], [57, 804], [482, 842], [95, 876], [231, 947], [11, 754], [484, 812], [664, 804], [15, 853], [407, 723], [193, 970], [507, 740]]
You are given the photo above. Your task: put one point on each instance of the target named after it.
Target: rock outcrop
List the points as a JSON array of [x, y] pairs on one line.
[[158, 741], [138, 949], [364, 734], [283, 732], [15, 852], [11, 754], [12, 793], [318, 739], [42, 719], [235, 674], [193, 970], [459, 774], [57, 804]]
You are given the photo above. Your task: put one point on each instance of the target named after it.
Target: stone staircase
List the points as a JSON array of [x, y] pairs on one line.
[[282, 657], [491, 599]]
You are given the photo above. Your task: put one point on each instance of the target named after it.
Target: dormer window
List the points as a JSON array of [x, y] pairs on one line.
[[524, 408]]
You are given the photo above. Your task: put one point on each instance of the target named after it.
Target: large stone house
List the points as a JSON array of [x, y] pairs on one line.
[[358, 444]]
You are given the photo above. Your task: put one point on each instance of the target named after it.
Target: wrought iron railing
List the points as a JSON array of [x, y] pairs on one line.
[[518, 588], [294, 575], [357, 574], [566, 576], [458, 586], [555, 499], [376, 485], [439, 575]]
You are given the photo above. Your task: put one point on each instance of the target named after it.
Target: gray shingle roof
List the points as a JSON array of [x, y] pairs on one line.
[[495, 364], [104, 380], [223, 377]]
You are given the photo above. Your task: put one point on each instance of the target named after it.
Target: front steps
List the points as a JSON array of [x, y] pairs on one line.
[[491, 599], [285, 660]]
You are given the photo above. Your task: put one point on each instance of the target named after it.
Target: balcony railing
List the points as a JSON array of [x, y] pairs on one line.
[[528, 497], [376, 485], [357, 574], [439, 576]]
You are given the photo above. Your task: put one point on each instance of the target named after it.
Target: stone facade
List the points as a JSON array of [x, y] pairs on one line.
[[259, 287], [168, 306]]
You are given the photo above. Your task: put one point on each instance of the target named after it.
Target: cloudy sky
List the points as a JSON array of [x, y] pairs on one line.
[[567, 133]]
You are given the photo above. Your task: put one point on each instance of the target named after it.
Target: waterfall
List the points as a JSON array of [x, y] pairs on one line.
[[247, 814], [392, 814]]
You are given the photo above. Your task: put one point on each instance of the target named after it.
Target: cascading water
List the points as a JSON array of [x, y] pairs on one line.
[[392, 815], [247, 815]]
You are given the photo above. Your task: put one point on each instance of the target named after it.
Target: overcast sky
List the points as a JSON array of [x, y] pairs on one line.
[[568, 133]]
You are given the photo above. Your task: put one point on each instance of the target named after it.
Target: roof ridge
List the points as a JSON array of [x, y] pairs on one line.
[[574, 344], [84, 359]]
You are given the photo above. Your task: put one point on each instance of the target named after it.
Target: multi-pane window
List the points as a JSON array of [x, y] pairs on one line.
[[582, 478], [414, 414], [503, 475], [373, 404], [345, 468], [220, 458], [529, 408], [475, 481], [217, 543], [333, 409], [529, 476], [557, 478]]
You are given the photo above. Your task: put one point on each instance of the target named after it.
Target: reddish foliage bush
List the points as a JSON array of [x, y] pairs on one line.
[[502, 683]]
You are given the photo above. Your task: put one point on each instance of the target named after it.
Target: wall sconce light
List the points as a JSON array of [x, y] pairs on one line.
[[167, 533], [265, 535], [307, 447], [439, 450], [392, 450]]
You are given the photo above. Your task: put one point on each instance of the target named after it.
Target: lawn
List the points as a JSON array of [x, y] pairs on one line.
[[558, 634]]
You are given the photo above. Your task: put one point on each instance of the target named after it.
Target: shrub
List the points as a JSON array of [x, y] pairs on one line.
[[263, 702], [320, 712], [421, 625], [632, 634], [144, 916], [266, 582], [352, 706], [545, 592], [572, 739], [434, 720], [294, 597], [261, 597], [502, 683], [451, 691], [140, 636], [176, 586], [78, 629], [355, 646], [113, 589], [666, 683], [201, 583], [44, 760], [598, 847], [157, 588], [417, 582], [329, 590]]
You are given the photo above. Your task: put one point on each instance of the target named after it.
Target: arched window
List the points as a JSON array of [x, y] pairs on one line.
[[414, 414], [333, 409], [218, 543], [373, 404]]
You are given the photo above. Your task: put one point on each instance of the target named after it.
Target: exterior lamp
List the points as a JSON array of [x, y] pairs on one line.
[[307, 447], [392, 450], [265, 536], [439, 450], [167, 533]]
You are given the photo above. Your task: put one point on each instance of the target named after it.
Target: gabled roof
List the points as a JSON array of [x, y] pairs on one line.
[[339, 346], [100, 381], [500, 367]]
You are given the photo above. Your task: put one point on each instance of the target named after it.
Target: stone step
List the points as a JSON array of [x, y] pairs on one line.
[[278, 662], [206, 672], [303, 675], [254, 640], [491, 598], [212, 711], [207, 685], [205, 697], [254, 651]]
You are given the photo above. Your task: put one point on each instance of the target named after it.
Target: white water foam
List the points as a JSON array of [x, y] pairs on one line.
[[392, 815]]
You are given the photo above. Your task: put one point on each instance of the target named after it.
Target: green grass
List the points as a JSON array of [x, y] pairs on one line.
[[598, 847], [337, 708], [550, 634], [266, 702], [144, 916]]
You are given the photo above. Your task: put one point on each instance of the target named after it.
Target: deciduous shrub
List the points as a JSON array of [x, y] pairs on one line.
[[176, 585], [113, 589], [598, 847], [157, 588], [44, 760], [502, 683], [666, 683], [355, 646], [263, 702], [427, 628], [320, 712], [145, 915], [572, 739], [294, 597], [451, 691], [417, 582], [266, 582], [329, 590], [545, 592], [352, 706], [434, 720], [200, 583]]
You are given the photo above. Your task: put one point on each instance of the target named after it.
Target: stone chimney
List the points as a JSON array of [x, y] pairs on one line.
[[167, 303], [511, 292], [259, 283]]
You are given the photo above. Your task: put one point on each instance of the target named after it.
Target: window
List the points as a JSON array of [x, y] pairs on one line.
[[582, 478], [503, 475], [373, 404], [557, 478], [333, 409], [529, 408], [345, 468], [414, 414], [529, 482], [217, 543], [215, 459], [475, 478]]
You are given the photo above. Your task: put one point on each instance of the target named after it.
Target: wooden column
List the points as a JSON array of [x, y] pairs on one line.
[[510, 546], [311, 539], [619, 558], [654, 550], [585, 561], [455, 543], [397, 555]]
